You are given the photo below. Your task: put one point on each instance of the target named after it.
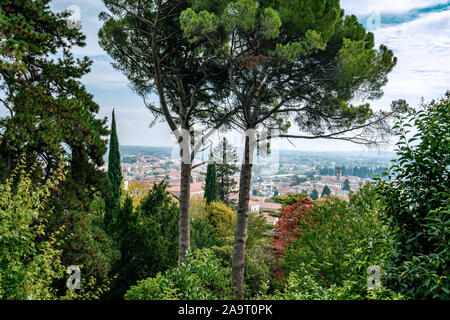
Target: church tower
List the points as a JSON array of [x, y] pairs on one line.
[[338, 173]]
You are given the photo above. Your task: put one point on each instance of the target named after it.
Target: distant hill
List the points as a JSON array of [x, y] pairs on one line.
[[143, 150], [365, 158]]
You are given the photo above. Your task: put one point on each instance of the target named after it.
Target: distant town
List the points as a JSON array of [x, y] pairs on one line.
[[317, 174]]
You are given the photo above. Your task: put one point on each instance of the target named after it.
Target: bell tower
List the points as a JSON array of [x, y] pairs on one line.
[[338, 173]]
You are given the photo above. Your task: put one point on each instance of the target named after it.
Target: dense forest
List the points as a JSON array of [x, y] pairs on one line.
[[69, 230]]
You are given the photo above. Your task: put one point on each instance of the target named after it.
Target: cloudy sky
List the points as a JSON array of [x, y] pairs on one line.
[[418, 31]]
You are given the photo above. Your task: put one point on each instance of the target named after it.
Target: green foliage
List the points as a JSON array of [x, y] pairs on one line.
[[114, 174], [346, 185], [314, 195], [30, 259], [337, 228], [226, 160], [88, 245], [222, 218], [259, 262], [340, 241], [147, 238], [303, 285], [211, 184], [325, 192], [203, 235], [257, 228], [50, 111], [415, 194], [200, 277], [289, 199]]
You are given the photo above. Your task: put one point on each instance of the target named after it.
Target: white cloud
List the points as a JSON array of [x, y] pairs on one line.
[[104, 76], [423, 50], [363, 7]]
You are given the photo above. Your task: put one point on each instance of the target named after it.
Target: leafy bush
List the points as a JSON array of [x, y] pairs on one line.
[[200, 277], [147, 237], [203, 235], [88, 245], [415, 194], [259, 262], [221, 218], [30, 260], [333, 247], [303, 285], [335, 229]]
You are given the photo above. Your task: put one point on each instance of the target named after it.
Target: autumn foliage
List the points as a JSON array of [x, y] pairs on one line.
[[292, 221]]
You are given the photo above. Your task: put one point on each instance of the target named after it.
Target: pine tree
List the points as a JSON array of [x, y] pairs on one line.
[[114, 173], [314, 195], [326, 191], [51, 118], [346, 185], [211, 183]]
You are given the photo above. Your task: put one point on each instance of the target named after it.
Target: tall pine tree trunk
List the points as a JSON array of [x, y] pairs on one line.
[[240, 236], [185, 198]]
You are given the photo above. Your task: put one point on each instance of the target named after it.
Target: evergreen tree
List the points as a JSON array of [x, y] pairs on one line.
[[211, 183], [114, 173], [326, 191], [299, 59], [314, 195], [226, 160], [346, 185], [147, 237], [190, 88], [50, 114]]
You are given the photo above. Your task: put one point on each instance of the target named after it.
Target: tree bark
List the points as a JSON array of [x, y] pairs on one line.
[[240, 236], [184, 242]]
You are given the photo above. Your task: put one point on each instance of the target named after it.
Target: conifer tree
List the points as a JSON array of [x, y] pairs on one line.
[[314, 195], [114, 173], [326, 191], [211, 183], [147, 44], [293, 60], [346, 185], [226, 160]]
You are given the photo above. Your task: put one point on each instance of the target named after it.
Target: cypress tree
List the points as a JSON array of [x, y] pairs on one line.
[[346, 185], [211, 183], [114, 173], [326, 191], [314, 195]]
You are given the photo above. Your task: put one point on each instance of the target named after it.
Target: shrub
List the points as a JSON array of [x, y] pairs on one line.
[[30, 260], [200, 277], [259, 262], [415, 195], [203, 235], [332, 248], [147, 237], [336, 230]]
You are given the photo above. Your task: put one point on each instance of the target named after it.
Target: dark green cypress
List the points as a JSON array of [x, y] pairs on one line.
[[346, 185], [326, 191], [211, 183], [114, 173], [314, 195]]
